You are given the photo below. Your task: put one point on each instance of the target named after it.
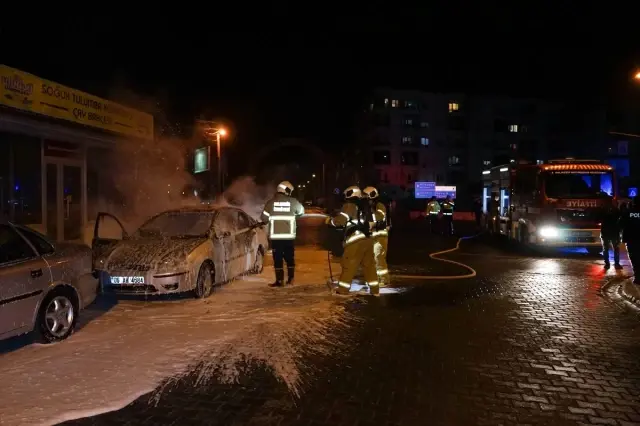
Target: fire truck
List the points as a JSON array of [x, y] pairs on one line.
[[553, 204]]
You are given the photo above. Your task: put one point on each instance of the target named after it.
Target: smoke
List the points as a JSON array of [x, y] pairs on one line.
[[248, 195]]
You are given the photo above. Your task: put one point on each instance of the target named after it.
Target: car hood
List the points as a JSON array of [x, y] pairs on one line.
[[151, 254]]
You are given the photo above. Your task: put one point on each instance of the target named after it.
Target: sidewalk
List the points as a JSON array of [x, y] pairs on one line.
[[630, 291]]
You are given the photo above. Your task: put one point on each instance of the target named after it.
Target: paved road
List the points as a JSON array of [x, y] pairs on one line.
[[530, 340]]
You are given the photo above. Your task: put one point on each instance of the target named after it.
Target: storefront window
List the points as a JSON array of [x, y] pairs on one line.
[[5, 193], [101, 192], [22, 192]]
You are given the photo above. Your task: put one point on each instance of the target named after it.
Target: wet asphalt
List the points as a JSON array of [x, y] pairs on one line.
[[534, 338]]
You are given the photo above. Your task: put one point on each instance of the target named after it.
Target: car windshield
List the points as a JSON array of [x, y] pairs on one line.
[[578, 184], [177, 225]]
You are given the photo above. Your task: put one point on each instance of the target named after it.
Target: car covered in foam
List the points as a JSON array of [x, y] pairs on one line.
[[188, 249]]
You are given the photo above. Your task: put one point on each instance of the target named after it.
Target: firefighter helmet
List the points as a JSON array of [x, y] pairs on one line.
[[352, 192], [285, 187], [370, 192]]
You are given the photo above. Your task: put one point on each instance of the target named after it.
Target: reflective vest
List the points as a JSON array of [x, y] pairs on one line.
[[447, 208], [350, 217], [433, 207], [280, 213]]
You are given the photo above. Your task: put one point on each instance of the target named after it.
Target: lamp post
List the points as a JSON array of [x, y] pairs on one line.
[[211, 130]]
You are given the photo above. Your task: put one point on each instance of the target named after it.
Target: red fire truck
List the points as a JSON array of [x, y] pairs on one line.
[[551, 204]]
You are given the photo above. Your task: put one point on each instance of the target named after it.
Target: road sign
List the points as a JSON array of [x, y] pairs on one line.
[[633, 192], [425, 189]]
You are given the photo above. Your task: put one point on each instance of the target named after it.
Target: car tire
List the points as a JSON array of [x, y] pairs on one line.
[[258, 266], [204, 283], [57, 316]]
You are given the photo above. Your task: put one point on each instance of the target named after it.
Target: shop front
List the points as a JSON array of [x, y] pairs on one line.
[[52, 170]]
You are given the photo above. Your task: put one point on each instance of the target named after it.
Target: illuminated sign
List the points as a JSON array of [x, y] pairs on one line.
[[425, 189], [26, 92], [633, 192], [201, 160], [430, 189]]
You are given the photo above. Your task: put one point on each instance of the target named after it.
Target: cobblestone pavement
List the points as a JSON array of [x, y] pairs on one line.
[[530, 340]]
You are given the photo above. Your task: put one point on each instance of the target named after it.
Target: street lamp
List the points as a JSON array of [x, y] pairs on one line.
[[637, 76], [313, 175], [211, 130]]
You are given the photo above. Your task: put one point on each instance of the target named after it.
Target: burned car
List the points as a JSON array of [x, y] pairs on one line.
[[190, 249]]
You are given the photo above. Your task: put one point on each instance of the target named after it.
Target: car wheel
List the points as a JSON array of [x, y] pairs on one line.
[[204, 285], [258, 266], [57, 316]]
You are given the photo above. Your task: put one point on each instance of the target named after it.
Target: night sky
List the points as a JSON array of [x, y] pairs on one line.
[[303, 73]]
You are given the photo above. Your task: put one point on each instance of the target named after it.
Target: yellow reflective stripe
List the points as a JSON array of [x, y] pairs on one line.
[[374, 284], [383, 272], [355, 237], [345, 215], [344, 285], [266, 214]]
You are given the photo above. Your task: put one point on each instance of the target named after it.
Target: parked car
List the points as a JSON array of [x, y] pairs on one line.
[[189, 249], [43, 285]]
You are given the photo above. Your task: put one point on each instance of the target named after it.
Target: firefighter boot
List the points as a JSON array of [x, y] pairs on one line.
[[290, 274], [279, 278]]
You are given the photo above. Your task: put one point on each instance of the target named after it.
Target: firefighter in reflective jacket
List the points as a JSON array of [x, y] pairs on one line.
[[379, 233], [280, 213], [357, 243], [433, 213], [447, 215]]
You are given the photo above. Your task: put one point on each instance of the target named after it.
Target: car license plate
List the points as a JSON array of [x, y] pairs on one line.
[[581, 234], [127, 280]]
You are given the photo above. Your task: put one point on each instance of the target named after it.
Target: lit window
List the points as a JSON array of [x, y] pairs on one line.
[[409, 104], [486, 163], [454, 160], [386, 101], [453, 106], [424, 124], [424, 141], [394, 103], [513, 128], [408, 122], [371, 107], [539, 162], [513, 146], [407, 140]]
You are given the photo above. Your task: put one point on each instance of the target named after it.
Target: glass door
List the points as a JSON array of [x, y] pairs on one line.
[[71, 199], [64, 201], [51, 207]]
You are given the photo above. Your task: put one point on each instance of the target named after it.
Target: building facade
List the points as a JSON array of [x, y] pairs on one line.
[[450, 138], [53, 144]]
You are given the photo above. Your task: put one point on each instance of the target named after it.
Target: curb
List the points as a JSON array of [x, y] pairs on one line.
[[630, 291]]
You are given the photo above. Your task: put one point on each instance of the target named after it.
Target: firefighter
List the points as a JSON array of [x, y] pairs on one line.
[[610, 234], [379, 233], [447, 215], [280, 213], [631, 236], [433, 213], [357, 241]]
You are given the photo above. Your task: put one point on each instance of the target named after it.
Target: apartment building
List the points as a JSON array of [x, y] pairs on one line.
[[449, 138]]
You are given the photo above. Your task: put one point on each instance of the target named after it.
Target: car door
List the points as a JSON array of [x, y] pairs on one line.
[[108, 232], [224, 226], [245, 241], [24, 276]]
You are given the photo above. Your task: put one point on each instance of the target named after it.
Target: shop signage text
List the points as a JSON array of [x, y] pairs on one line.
[[27, 92]]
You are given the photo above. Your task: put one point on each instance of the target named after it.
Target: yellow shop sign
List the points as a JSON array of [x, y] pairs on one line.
[[27, 92]]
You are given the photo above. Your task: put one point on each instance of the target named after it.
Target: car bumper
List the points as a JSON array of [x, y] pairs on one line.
[[571, 238], [153, 283]]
